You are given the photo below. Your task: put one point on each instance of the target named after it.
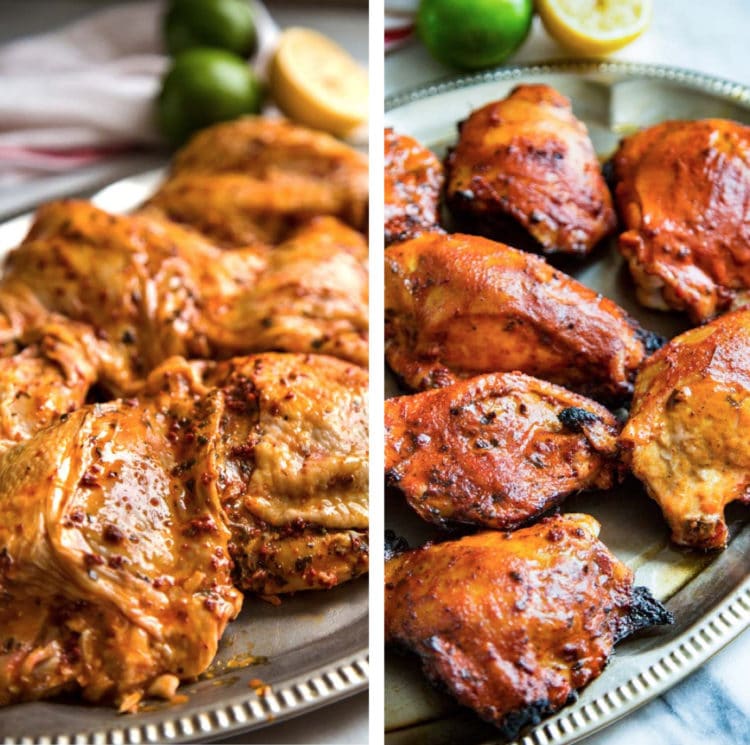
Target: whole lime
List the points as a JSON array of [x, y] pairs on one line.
[[224, 24], [472, 34], [205, 86]]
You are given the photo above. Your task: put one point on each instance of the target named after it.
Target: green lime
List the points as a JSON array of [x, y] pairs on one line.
[[205, 86], [472, 34], [224, 24]]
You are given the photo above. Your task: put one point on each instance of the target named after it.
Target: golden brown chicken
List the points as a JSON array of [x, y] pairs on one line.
[[47, 372], [254, 180], [496, 450], [413, 182], [687, 436], [292, 468], [514, 624], [682, 192], [524, 168], [116, 577], [163, 290], [459, 305], [119, 525]]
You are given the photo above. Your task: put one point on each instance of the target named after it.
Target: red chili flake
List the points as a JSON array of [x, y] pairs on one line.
[[113, 534], [116, 562], [243, 451], [89, 479], [242, 397], [200, 525], [77, 516], [93, 560]]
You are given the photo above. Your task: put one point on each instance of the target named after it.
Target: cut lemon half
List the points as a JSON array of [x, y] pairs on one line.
[[595, 27], [317, 83]]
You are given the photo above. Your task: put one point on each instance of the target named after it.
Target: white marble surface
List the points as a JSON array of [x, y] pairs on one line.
[[712, 706]]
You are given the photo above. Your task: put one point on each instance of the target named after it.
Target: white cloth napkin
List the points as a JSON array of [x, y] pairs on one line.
[[399, 22], [74, 96]]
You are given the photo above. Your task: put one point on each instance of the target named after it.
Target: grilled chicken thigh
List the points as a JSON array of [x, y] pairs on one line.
[[253, 180], [120, 525], [48, 372], [496, 450], [459, 305], [525, 167], [292, 467], [116, 577], [413, 182], [163, 290], [687, 436], [513, 625], [312, 295], [683, 189]]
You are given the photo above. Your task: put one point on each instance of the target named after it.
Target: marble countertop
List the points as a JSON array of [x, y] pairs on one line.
[[711, 706]]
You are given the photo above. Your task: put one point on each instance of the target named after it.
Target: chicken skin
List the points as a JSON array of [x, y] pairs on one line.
[[682, 191], [524, 171], [164, 290], [686, 438], [513, 624], [123, 527], [117, 579], [413, 182], [458, 306], [253, 180], [293, 470], [496, 450], [47, 372]]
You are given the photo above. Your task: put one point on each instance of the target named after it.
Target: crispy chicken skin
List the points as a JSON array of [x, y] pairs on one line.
[[163, 290], [687, 436], [682, 191], [122, 527], [253, 180], [459, 305], [496, 450], [513, 624], [413, 182], [525, 166]]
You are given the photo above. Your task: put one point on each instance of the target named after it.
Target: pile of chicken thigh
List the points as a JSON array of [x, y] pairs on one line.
[[515, 367], [183, 412]]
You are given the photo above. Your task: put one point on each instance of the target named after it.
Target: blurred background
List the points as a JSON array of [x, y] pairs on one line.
[[707, 36], [125, 60]]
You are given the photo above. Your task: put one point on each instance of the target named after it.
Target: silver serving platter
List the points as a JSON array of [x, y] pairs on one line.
[[708, 593], [311, 650]]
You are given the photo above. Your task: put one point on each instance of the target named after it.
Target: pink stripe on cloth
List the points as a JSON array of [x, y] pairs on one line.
[[43, 159], [397, 36], [399, 22], [78, 94]]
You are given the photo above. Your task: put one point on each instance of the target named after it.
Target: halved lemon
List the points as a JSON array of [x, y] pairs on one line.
[[317, 83], [595, 27]]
